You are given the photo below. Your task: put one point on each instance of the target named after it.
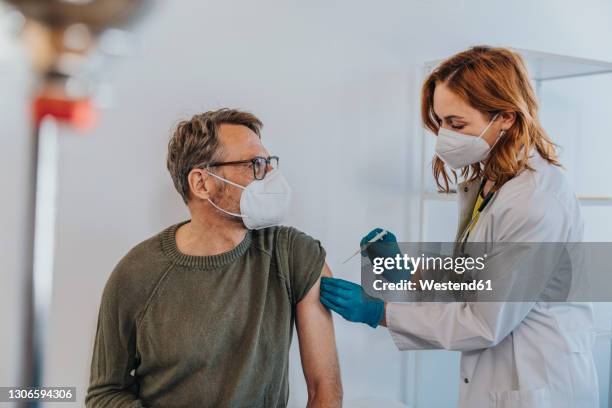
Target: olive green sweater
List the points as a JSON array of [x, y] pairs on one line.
[[176, 330]]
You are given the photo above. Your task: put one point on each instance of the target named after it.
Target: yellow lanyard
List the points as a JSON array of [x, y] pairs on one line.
[[475, 212], [480, 205]]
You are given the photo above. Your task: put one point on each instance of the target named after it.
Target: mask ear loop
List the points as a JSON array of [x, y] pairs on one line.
[[219, 208], [501, 134], [226, 180], [488, 126], [225, 211]]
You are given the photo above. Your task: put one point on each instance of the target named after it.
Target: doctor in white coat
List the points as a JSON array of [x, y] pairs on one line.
[[532, 353]]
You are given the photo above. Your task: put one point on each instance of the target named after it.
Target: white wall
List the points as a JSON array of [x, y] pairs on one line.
[[335, 87]]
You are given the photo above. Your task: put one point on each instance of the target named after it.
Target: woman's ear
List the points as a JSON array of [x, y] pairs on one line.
[[197, 180], [507, 119]]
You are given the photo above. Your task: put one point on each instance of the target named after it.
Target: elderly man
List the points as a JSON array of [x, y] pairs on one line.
[[202, 313]]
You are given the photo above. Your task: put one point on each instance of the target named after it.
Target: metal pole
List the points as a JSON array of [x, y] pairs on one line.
[[44, 185]]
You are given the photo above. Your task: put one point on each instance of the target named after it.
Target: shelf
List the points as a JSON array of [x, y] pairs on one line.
[[595, 200], [544, 66]]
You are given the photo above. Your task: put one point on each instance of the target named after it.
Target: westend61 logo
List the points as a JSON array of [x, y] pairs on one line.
[[458, 265]]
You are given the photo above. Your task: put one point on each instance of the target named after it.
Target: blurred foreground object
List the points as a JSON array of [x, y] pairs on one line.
[[61, 32], [65, 39]]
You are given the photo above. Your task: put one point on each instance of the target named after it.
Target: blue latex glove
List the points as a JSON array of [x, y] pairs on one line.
[[350, 301], [386, 247]]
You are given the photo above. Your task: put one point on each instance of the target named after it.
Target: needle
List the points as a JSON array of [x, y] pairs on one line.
[[364, 246]]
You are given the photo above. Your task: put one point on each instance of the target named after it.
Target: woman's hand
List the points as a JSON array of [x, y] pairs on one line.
[[350, 301], [386, 247]]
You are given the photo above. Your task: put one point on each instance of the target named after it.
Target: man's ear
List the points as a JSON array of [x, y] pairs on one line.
[[199, 183], [507, 119]]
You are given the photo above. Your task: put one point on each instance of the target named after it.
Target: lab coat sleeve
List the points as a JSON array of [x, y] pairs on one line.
[[519, 270], [460, 326]]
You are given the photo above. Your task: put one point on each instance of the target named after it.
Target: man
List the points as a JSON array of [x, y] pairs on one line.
[[202, 314]]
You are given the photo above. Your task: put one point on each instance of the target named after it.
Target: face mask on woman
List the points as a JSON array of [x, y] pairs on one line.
[[458, 150]]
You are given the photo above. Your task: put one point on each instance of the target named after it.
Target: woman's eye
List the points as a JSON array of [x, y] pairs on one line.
[[457, 126]]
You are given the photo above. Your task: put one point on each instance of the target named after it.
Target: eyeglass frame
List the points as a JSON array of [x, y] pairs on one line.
[[251, 161]]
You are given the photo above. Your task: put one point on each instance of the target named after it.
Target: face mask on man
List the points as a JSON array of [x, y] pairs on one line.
[[458, 150], [263, 203]]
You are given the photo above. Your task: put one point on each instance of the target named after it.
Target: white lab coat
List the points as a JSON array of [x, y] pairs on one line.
[[514, 354]]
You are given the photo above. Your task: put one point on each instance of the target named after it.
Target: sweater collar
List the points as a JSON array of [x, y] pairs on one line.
[[168, 242]]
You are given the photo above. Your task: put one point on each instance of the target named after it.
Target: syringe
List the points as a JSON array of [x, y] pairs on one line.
[[366, 245]]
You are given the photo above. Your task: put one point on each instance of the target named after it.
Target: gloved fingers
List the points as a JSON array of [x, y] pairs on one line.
[[369, 236], [389, 237], [335, 299], [331, 306], [337, 282], [327, 303], [337, 291], [339, 299]]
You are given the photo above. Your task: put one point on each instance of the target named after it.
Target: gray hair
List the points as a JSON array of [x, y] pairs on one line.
[[195, 142]]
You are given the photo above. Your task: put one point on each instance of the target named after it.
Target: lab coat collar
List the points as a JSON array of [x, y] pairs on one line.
[[467, 193]]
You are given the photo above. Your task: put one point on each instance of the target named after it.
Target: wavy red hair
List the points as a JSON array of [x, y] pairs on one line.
[[491, 80]]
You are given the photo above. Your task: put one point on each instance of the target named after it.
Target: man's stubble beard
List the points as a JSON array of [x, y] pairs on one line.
[[222, 199]]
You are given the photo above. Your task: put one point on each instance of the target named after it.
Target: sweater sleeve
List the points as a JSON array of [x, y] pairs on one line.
[[305, 258], [114, 356]]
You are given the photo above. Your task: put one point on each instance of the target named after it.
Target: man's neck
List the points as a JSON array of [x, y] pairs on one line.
[[201, 238]]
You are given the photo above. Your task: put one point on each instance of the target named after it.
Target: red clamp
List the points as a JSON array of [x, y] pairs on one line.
[[80, 113]]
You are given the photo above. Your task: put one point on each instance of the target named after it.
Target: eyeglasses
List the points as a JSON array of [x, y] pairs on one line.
[[259, 164]]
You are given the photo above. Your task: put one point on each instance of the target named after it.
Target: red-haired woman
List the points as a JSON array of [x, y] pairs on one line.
[[526, 353]]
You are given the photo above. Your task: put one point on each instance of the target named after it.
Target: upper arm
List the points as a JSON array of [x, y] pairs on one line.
[[317, 342]]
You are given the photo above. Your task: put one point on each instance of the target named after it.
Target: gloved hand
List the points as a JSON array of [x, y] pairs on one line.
[[350, 301], [386, 247]]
